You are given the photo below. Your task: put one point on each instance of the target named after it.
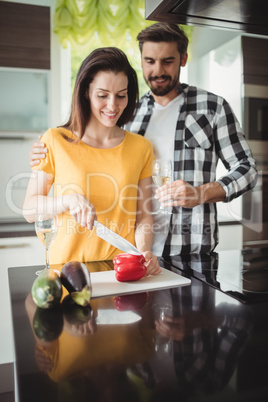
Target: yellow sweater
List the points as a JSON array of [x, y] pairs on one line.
[[108, 178]]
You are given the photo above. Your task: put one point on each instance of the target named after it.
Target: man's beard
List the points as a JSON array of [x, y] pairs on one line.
[[162, 91]]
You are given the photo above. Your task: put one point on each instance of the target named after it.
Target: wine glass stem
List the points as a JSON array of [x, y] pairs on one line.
[[47, 262]]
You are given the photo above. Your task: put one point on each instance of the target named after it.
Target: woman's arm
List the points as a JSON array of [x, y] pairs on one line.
[[37, 202], [144, 225]]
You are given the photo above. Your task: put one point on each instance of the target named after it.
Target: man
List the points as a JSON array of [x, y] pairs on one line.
[[193, 128]]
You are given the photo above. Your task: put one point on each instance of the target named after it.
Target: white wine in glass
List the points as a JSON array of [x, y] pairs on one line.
[[46, 230], [161, 174]]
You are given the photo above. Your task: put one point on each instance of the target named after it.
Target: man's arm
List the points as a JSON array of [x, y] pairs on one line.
[[233, 150], [181, 194]]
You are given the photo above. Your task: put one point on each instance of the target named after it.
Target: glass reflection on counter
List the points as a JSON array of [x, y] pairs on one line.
[[149, 346]]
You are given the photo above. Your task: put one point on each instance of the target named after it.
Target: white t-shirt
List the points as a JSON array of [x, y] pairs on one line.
[[161, 133]]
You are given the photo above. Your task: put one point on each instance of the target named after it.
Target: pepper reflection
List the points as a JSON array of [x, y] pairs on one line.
[[151, 347]]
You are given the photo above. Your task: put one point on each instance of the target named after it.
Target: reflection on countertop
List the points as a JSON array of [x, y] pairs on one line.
[[242, 274], [182, 343]]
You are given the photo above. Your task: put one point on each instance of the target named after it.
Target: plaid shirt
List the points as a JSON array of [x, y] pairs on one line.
[[206, 130], [206, 354]]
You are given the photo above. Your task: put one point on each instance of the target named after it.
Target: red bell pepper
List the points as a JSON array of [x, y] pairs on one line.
[[129, 267], [130, 302]]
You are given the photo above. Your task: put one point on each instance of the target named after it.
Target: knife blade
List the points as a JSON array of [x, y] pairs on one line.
[[115, 239]]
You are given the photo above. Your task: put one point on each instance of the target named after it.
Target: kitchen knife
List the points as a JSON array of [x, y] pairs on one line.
[[114, 239]]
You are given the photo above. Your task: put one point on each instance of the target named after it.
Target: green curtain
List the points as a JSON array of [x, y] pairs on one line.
[[110, 22], [88, 24], [82, 22]]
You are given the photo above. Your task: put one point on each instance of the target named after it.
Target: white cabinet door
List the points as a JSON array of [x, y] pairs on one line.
[[230, 237], [14, 252], [15, 172]]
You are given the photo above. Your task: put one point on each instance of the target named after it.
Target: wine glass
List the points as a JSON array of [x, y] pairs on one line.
[[161, 342], [161, 174], [46, 230]]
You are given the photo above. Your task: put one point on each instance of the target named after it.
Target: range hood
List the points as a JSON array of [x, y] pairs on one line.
[[249, 16]]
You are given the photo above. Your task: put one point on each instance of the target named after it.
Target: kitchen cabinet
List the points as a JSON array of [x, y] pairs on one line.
[[15, 173], [255, 60], [230, 236], [14, 251], [24, 35], [24, 101], [25, 97], [239, 15]]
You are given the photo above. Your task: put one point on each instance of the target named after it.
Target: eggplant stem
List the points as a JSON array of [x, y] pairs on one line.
[[83, 297]]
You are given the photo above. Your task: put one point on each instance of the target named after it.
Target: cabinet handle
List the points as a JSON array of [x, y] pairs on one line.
[[12, 138], [20, 245]]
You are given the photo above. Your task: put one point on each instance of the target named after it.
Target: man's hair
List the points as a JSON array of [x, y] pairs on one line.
[[164, 32]]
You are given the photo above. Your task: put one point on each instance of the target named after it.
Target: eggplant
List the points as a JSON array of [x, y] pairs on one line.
[[48, 324], [75, 314], [75, 277], [47, 290]]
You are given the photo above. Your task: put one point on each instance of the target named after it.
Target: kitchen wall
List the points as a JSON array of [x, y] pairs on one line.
[[223, 78], [219, 67], [14, 160], [216, 64], [58, 85], [14, 152]]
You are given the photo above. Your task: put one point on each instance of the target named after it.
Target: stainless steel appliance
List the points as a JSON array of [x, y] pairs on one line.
[[255, 112], [255, 202]]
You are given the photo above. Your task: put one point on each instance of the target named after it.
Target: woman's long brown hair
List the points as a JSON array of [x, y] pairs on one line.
[[102, 59]]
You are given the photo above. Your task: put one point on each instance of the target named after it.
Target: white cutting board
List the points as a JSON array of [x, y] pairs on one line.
[[104, 283]]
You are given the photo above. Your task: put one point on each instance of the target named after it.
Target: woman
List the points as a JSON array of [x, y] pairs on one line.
[[99, 171]]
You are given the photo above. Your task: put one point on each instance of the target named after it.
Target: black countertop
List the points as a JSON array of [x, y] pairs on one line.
[[191, 343], [242, 274]]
